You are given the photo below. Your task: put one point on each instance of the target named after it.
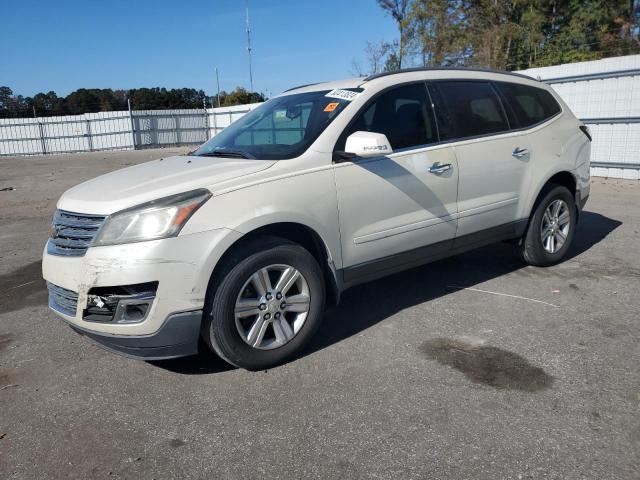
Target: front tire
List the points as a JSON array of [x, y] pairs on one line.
[[267, 305], [551, 228]]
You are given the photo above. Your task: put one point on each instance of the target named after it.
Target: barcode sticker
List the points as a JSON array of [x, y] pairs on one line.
[[347, 95]]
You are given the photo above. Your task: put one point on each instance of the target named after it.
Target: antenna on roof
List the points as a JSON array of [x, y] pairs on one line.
[[249, 46]]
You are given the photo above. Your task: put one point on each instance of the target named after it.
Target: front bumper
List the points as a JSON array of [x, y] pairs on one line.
[[178, 337], [182, 267]]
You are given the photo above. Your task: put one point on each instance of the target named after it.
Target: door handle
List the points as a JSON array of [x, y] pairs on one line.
[[439, 169], [519, 152]]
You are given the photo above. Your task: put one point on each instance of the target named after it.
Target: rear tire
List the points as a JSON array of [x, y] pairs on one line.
[[551, 227], [266, 306]]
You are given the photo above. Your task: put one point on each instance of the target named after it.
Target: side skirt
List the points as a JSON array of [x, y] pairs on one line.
[[375, 269]]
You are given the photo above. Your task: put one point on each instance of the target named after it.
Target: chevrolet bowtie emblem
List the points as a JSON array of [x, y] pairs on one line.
[[53, 231]]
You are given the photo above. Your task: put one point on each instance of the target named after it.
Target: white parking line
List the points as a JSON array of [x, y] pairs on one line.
[[502, 295]]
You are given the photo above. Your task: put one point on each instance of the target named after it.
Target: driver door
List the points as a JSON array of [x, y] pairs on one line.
[[400, 209]]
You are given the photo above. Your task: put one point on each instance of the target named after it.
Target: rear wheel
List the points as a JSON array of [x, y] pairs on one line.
[[551, 227], [267, 306]]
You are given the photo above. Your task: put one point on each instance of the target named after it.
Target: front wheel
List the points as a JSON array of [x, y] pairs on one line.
[[267, 306], [551, 227]]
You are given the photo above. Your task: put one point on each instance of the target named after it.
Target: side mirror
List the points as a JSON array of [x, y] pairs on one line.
[[368, 144]]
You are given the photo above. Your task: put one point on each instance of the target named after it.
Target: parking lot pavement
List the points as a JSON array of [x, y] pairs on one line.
[[471, 367]]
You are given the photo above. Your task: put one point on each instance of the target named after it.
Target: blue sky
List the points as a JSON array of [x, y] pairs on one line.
[[62, 45]]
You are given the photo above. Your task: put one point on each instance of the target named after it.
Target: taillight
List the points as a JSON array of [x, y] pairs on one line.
[[586, 131]]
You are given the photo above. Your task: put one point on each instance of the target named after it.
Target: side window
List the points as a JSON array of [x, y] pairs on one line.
[[531, 105], [403, 114], [467, 109]]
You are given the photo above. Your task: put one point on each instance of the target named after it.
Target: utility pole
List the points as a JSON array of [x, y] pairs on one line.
[[218, 84], [249, 47]]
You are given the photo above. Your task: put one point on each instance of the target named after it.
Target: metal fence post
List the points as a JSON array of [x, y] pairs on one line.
[[90, 140], [215, 123], [133, 129], [207, 132], [44, 144]]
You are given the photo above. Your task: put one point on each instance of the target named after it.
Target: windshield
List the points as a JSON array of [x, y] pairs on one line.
[[284, 127]]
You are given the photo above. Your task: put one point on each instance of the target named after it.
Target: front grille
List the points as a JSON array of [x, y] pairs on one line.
[[72, 233], [62, 300]]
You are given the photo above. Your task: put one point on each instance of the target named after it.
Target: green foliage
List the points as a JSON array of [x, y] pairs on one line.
[[398, 10], [240, 96], [515, 34], [88, 100], [161, 98]]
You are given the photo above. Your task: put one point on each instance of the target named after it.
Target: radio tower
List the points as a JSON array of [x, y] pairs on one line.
[[249, 47]]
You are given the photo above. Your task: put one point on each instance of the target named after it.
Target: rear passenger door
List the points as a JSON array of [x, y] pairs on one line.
[[492, 161]]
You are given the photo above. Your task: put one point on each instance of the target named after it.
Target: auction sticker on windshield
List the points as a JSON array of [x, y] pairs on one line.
[[347, 95]]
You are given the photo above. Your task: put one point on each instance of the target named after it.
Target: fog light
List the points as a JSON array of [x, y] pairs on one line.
[[132, 310], [121, 304]]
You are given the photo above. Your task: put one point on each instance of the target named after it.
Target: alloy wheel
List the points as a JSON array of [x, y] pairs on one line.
[[555, 226], [272, 306]]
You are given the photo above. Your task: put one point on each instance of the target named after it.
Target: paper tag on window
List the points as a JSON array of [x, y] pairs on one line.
[[331, 106], [347, 95]]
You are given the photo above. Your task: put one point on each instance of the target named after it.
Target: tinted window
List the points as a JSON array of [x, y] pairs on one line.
[[403, 114], [467, 109], [530, 105]]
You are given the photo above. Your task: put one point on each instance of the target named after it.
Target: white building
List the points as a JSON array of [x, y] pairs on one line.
[[605, 94]]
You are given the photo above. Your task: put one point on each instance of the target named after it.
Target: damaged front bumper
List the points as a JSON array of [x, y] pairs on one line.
[[143, 300]]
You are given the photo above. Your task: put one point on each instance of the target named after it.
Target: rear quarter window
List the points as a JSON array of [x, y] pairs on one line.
[[529, 104]]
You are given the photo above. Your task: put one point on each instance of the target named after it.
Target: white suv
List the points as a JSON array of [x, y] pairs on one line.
[[241, 242]]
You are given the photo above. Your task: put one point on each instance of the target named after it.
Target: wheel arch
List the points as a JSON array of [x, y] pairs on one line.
[[564, 178], [295, 232]]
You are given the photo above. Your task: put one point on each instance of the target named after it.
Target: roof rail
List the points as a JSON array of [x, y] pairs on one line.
[[301, 86], [433, 69]]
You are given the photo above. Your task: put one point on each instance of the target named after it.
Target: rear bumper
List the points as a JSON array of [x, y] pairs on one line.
[[178, 337]]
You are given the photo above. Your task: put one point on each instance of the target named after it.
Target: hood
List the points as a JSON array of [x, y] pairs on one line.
[[134, 185]]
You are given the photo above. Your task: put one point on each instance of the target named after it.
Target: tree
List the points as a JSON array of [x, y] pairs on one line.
[[512, 34], [379, 57], [392, 63], [398, 11], [589, 30], [88, 100], [13, 105], [494, 28], [438, 31], [6, 94], [376, 53], [240, 96], [48, 102]]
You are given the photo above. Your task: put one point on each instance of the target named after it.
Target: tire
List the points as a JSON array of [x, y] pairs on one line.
[[232, 322], [541, 253]]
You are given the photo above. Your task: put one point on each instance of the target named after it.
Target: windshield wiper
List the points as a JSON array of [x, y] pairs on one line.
[[227, 153]]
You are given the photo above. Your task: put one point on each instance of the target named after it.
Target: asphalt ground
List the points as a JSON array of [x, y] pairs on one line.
[[474, 367]]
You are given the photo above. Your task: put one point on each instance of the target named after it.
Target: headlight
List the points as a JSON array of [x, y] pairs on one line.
[[156, 219]]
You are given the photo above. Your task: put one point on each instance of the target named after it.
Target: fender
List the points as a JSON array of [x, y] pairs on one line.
[[537, 188]]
